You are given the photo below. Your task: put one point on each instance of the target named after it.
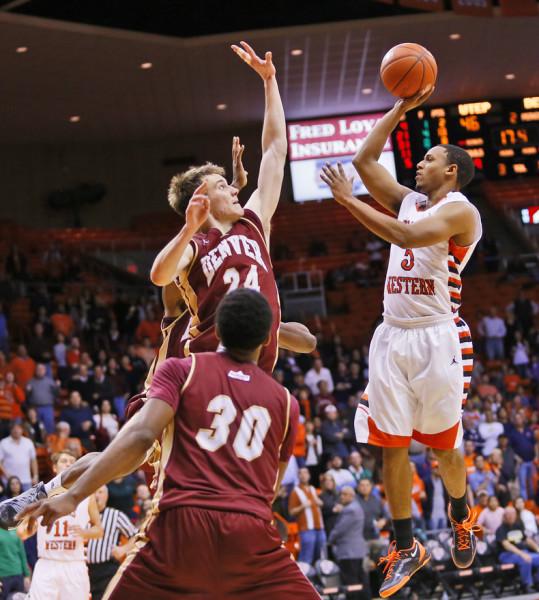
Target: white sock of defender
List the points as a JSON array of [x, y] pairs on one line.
[[54, 486]]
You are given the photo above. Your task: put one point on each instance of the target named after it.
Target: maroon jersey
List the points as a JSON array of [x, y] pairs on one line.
[[233, 425], [172, 333], [221, 264]]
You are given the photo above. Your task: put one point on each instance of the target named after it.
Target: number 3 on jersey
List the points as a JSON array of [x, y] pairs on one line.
[[232, 277], [249, 441], [408, 261]]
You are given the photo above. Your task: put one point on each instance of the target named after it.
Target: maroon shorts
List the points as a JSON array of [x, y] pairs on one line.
[[210, 555]]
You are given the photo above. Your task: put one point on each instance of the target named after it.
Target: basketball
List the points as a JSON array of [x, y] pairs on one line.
[[408, 68]]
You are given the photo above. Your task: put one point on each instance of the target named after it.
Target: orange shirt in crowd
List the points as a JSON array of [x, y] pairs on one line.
[[23, 369], [309, 518], [63, 323], [300, 447], [56, 443], [511, 382], [150, 329], [469, 463], [17, 396], [72, 356]]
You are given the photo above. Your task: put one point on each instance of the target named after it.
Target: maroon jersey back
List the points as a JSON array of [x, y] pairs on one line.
[[223, 263], [233, 425]]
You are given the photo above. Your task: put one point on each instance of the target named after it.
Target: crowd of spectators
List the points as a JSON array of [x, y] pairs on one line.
[[64, 381]]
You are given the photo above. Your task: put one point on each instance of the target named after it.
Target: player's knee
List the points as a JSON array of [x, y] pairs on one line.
[[448, 457], [395, 454]]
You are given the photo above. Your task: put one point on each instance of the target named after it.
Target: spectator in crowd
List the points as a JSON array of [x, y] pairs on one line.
[[502, 484], [521, 355], [330, 501], [22, 366], [334, 433], [494, 330], [34, 428], [80, 381], [490, 430], [343, 384], [62, 322], [523, 310], [80, 418], [62, 439], [324, 398], [437, 499], [14, 571], [481, 478], [106, 420], [522, 441], [149, 327], [121, 494], [313, 452], [349, 546], [41, 393], [528, 519], [340, 475], [39, 346], [16, 264], [100, 386], [518, 548], [491, 518], [6, 410], [356, 467], [317, 373], [106, 554], [376, 518], [18, 457], [304, 504], [13, 487]]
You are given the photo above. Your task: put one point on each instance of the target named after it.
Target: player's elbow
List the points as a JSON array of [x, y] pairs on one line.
[[309, 342], [157, 276]]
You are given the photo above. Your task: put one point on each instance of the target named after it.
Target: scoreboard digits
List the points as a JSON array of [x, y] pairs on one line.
[[502, 136]]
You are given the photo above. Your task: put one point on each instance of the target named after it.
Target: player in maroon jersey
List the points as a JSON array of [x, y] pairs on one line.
[[222, 245], [229, 432]]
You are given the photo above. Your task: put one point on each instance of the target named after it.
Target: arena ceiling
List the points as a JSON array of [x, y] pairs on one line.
[[93, 71]]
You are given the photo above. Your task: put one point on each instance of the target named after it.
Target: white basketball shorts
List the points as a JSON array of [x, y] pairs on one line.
[[60, 580], [419, 376]]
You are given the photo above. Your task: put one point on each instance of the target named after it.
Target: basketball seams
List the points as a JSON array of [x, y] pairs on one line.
[[410, 80], [405, 75]]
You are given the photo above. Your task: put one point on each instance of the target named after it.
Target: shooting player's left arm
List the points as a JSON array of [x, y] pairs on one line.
[[96, 530], [455, 220]]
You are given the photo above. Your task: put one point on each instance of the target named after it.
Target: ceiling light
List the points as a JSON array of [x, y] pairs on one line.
[[454, 36], [296, 52], [510, 76], [366, 91], [21, 49], [146, 65], [74, 118], [221, 107]]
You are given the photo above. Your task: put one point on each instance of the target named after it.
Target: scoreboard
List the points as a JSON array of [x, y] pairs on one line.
[[502, 136]]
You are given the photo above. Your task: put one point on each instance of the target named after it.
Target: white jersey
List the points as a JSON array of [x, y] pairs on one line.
[[60, 544], [425, 282]]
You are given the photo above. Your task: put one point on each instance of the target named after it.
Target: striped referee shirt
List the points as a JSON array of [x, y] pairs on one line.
[[114, 523]]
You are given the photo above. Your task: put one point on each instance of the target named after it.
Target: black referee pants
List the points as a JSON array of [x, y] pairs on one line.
[[100, 575]]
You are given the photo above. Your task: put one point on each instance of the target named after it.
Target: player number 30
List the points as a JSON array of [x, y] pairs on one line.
[[249, 441]]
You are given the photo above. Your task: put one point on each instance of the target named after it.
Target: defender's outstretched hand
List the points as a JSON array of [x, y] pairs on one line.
[[265, 68], [341, 186], [198, 208], [239, 174], [50, 510]]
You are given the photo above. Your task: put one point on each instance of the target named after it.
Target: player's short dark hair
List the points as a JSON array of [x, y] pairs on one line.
[[183, 185], [243, 319], [465, 167]]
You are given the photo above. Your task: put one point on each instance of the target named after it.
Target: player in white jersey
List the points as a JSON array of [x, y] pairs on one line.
[[61, 572], [420, 357]]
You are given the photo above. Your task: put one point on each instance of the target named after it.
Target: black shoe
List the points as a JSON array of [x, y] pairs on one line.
[[400, 566], [10, 508], [464, 539]]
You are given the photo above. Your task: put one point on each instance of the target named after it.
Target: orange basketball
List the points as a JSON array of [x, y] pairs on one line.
[[408, 68]]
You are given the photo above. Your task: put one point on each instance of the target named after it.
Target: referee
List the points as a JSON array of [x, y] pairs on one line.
[[104, 554]]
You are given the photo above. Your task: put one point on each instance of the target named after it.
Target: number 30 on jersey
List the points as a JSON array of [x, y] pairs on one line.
[[249, 441]]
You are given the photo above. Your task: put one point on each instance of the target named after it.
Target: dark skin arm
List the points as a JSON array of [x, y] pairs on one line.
[[455, 220], [381, 185], [124, 455]]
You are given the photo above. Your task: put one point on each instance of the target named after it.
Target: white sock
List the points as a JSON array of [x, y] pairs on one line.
[[54, 486]]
